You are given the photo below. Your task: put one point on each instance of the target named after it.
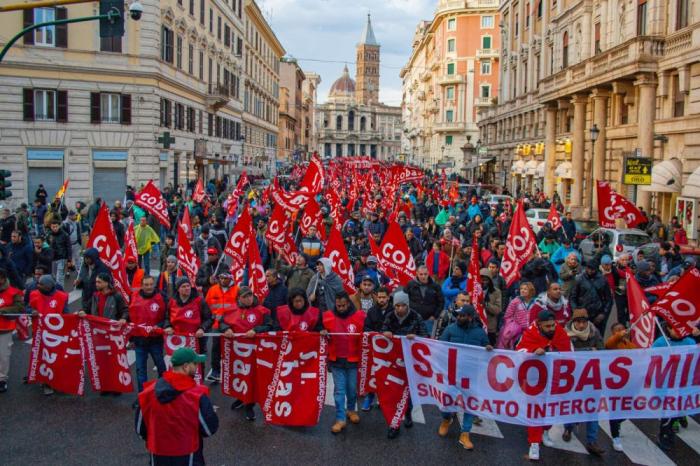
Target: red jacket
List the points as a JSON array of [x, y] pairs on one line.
[[291, 322], [241, 320], [10, 297], [147, 311], [344, 346], [443, 264], [532, 339], [55, 303]]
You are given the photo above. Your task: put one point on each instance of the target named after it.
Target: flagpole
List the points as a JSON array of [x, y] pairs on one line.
[[658, 325], [218, 264]]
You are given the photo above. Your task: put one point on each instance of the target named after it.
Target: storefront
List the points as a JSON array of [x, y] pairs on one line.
[[563, 182], [44, 166], [666, 178], [687, 205]]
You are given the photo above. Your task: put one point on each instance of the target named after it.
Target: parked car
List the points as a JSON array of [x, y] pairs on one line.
[[537, 218], [583, 229], [494, 199], [650, 252], [619, 241], [481, 189]]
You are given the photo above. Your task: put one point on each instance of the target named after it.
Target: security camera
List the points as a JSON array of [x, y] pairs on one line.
[[135, 11]]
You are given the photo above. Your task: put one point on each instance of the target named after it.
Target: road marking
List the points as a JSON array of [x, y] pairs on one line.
[[417, 414], [574, 445], [691, 435], [637, 446]]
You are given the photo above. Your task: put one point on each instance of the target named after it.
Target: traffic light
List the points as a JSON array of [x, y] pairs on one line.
[[4, 184], [114, 25]]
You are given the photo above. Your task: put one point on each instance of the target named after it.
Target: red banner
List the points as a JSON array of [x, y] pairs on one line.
[[659, 290], [57, 358], [238, 244], [403, 174], [519, 246], [312, 217], [394, 256], [238, 368], [130, 249], [612, 206], [336, 252], [151, 199], [678, 307], [554, 218], [199, 195], [474, 283], [391, 379], [186, 223], [174, 342], [102, 238], [642, 331], [186, 258], [314, 177], [105, 351], [289, 201], [336, 212], [257, 280], [277, 227]]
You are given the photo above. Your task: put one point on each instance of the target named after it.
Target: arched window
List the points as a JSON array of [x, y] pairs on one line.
[[565, 50], [339, 122], [351, 120], [363, 124]]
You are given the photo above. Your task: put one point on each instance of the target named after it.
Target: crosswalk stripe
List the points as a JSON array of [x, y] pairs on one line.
[[488, 427], [637, 446], [417, 414], [574, 445], [691, 435]]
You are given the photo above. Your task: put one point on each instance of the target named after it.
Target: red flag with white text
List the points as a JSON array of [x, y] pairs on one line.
[[175, 342], [238, 364], [312, 216], [104, 342], [199, 195], [336, 252], [554, 218], [391, 379], [642, 330], [237, 245], [256, 280], [395, 256], [680, 306], [474, 288], [314, 177], [130, 249], [277, 227], [103, 239], [186, 223], [612, 206], [520, 245], [186, 257], [151, 199]]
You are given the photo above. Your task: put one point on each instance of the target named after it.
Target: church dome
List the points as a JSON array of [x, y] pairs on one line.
[[344, 86]]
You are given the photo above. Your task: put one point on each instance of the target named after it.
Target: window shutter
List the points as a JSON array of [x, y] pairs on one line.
[[168, 113], [28, 21], [126, 109], [62, 106], [28, 104], [95, 117], [61, 29]]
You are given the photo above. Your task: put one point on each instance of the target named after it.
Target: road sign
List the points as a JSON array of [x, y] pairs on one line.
[[637, 171]]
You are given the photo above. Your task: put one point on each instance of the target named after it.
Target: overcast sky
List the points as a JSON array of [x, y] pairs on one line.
[[329, 30]]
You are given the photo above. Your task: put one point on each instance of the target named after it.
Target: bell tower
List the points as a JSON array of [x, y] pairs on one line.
[[367, 79]]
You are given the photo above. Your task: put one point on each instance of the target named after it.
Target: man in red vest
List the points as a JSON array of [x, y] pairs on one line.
[[344, 354], [174, 414], [11, 302]]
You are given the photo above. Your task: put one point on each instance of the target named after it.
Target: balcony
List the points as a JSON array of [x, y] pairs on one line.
[[451, 79], [482, 101], [425, 76], [217, 96], [487, 53], [449, 126]]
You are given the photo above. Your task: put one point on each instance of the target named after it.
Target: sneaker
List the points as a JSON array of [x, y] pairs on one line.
[[338, 427], [238, 404], [617, 444], [249, 413], [353, 417], [566, 436], [594, 449], [367, 404], [547, 440], [534, 453], [392, 433], [683, 422], [213, 376], [48, 391], [445, 426], [3, 386], [465, 441]]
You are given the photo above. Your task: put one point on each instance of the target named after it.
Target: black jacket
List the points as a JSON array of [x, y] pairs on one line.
[[374, 322], [115, 307], [426, 299], [203, 275], [591, 293], [86, 280], [411, 325], [540, 272], [276, 297], [59, 244]]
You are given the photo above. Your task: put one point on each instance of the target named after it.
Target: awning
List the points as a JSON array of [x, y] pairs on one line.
[[563, 170], [518, 167], [691, 187], [470, 166], [666, 177], [531, 167], [540, 170]]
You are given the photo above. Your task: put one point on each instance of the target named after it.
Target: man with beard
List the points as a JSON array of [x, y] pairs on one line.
[[552, 300], [134, 273], [542, 336], [364, 298], [300, 275], [297, 315], [454, 284], [592, 292], [426, 297]]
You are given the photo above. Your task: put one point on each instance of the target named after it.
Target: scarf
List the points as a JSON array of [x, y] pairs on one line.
[[580, 334], [554, 306]]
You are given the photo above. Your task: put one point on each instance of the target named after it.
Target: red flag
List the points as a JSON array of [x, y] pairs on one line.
[[642, 332], [612, 206], [289, 201], [186, 258], [186, 223], [257, 280], [519, 246], [277, 227], [238, 368], [395, 257], [553, 218], [678, 307], [336, 252], [56, 358], [294, 390], [314, 177], [312, 217], [237, 245], [61, 192], [391, 379], [659, 290], [175, 342], [199, 195], [335, 208], [130, 249], [403, 174], [474, 283], [102, 238], [23, 330], [104, 342], [151, 199]]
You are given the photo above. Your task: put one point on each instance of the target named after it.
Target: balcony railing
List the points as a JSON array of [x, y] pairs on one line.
[[487, 53], [218, 95], [451, 79], [449, 126]]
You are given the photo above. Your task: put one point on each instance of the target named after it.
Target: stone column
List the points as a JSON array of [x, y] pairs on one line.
[[600, 119], [577, 151], [646, 113], [550, 144]]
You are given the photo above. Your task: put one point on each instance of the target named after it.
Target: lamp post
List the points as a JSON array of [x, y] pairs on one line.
[[478, 159], [594, 137]]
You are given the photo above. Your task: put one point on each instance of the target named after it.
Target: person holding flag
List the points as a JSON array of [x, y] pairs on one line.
[[493, 304], [11, 302], [188, 313]]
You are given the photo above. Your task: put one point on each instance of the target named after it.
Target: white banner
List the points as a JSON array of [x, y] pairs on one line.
[[556, 388]]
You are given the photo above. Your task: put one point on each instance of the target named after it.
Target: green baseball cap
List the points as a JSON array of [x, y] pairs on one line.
[[184, 355]]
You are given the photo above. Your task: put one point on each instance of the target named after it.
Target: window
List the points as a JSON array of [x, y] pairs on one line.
[[178, 53], [450, 93], [682, 13], [642, 17], [678, 98], [191, 7], [448, 140], [44, 105], [210, 124], [486, 68], [46, 35], [211, 21], [166, 52], [597, 38], [485, 91], [449, 116], [201, 65], [338, 150], [179, 116], [190, 119], [165, 113], [227, 36], [527, 15], [202, 10], [339, 122], [486, 22], [486, 42], [539, 8], [351, 121], [327, 150], [218, 27], [450, 68], [565, 50], [451, 45], [111, 44], [190, 59], [451, 24], [110, 108], [516, 27]]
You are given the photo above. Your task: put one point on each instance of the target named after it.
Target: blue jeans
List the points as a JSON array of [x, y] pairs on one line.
[[467, 420], [344, 390], [429, 326], [591, 431], [146, 263], [142, 350]]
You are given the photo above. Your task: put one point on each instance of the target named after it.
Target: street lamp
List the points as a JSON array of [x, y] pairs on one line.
[[594, 137], [478, 161]]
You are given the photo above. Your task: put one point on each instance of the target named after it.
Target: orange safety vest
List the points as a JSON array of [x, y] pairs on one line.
[[221, 302], [136, 282], [7, 299]]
